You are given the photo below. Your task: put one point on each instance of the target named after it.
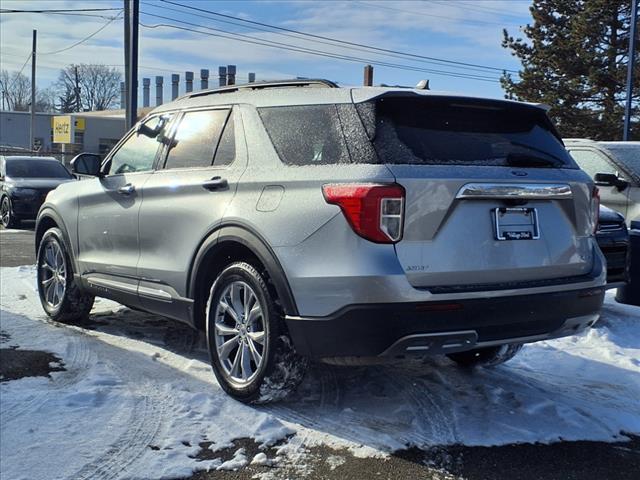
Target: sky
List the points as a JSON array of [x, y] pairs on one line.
[[464, 31]]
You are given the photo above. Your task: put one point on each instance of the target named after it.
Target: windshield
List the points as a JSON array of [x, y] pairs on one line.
[[463, 132], [628, 155], [35, 168]]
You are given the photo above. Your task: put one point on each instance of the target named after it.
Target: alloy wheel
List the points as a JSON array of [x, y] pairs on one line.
[[5, 211], [53, 274], [239, 333]]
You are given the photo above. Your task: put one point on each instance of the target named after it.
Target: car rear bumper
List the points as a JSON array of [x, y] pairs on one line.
[[391, 330]]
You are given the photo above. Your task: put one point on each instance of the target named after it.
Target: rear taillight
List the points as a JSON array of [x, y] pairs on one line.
[[595, 208], [375, 211]]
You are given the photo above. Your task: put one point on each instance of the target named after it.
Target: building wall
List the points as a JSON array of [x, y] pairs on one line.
[[100, 133]]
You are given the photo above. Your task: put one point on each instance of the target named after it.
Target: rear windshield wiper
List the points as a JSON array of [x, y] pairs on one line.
[[550, 158], [531, 160]]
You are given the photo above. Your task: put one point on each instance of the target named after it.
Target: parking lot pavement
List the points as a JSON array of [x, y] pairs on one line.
[[17, 246]]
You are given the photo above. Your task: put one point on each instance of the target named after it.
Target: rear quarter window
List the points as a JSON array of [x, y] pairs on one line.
[[317, 134]]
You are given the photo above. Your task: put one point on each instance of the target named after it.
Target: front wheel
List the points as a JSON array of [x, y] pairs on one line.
[[486, 357], [251, 353], [60, 295], [8, 219]]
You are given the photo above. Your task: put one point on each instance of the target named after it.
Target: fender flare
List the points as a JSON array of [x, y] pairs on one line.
[[259, 247]]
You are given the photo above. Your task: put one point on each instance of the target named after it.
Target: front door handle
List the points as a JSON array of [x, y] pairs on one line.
[[128, 189], [216, 183]]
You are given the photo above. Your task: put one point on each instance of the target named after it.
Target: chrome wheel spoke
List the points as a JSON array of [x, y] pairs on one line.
[[256, 337], [227, 347], [245, 361], [229, 309], [225, 330], [257, 358], [47, 281], [254, 314]]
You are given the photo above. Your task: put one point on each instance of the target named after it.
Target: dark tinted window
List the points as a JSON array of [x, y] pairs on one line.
[[628, 155], [226, 152], [196, 139], [457, 131], [306, 135], [137, 153], [35, 168]]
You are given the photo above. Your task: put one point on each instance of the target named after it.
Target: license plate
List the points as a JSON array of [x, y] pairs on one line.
[[516, 223]]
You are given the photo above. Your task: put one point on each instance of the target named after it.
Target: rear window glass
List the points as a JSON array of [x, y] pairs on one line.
[[34, 168], [411, 130], [317, 134]]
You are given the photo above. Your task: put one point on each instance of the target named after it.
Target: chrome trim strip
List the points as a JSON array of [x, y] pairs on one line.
[[155, 293], [104, 283], [549, 191]]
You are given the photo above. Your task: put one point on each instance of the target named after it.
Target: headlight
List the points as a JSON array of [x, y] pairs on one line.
[[24, 192]]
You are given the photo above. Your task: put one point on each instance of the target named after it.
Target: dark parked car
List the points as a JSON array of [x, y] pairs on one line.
[[613, 238], [25, 183]]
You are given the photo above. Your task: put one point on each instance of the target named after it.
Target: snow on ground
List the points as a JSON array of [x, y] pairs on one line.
[[138, 397]]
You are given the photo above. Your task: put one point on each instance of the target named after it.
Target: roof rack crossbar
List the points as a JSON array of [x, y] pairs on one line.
[[263, 85]]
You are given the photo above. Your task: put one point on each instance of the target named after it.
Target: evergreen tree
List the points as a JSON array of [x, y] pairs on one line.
[[574, 58]]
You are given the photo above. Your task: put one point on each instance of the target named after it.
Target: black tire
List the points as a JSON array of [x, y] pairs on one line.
[[486, 357], [6, 212], [281, 369], [75, 304]]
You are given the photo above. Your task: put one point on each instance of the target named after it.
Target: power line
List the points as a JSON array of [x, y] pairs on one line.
[[84, 39], [336, 40], [59, 10], [309, 51], [15, 79], [330, 43]]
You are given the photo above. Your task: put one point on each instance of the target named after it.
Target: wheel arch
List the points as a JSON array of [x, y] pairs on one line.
[[235, 243], [48, 218]]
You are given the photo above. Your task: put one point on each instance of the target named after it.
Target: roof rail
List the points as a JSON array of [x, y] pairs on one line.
[[307, 82]]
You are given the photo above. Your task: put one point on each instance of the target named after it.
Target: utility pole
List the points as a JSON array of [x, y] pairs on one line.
[[76, 91], [33, 92], [632, 56], [131, 15]]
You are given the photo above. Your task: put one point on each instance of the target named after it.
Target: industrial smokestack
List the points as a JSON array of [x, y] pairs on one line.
[[188, 76], [175, 85], [146, 86], [252, 77], [204, 78], [231, 74], [222, 76], [159, 82]]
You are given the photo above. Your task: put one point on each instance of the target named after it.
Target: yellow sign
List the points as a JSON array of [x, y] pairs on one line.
[[63, 129], [79, 123]]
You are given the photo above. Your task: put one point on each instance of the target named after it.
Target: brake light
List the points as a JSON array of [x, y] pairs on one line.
[[375, 211], [595, 208]]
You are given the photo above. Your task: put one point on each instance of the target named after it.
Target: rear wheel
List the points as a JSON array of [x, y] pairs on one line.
[[486, 357], [60, 295], [251, 353]]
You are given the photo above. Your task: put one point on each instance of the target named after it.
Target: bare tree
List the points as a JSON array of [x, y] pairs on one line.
[[16, 90], [88, 87]]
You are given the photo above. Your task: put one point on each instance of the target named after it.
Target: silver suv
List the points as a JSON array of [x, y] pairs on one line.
[[298, 220]]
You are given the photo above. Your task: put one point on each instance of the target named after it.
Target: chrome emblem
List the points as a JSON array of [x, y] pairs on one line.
[[519, 173]]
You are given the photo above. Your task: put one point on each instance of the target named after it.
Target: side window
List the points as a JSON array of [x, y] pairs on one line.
[[592, 162], [196, 139], [226, 152], [137, 153]]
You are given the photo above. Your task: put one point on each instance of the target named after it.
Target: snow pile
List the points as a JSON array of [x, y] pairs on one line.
[[138, 398]]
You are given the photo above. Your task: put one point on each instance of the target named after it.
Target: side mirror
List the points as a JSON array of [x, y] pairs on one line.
[[610, 180], [86, 164]]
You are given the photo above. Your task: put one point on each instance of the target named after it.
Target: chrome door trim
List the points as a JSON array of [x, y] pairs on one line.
[[548, 191]]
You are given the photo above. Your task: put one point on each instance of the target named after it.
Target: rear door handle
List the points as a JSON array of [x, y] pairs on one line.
[[216, 183], [128, 189]]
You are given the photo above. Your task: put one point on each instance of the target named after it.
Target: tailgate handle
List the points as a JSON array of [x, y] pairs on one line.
[[549, 191], [216, 183]]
